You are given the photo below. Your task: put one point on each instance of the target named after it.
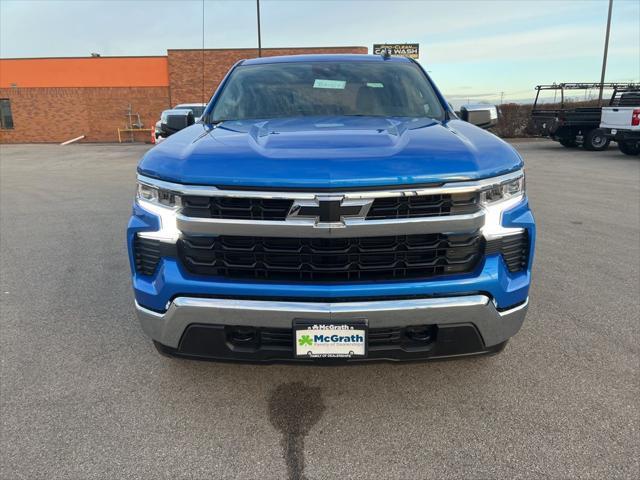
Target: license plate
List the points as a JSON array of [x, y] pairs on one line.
[[315, 339]]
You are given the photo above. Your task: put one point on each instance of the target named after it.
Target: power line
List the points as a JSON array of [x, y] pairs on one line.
[[203, 97]]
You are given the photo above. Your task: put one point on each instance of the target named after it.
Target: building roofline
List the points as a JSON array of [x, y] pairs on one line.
[[263, 48], [184, 50], [83, 58]]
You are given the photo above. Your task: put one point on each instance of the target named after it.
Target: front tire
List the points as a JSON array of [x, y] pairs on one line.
[[629, 148], [595, 140]]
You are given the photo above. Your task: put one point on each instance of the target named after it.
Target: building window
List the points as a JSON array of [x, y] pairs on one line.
[[6, 119]]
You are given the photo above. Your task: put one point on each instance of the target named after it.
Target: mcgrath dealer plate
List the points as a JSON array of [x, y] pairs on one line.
[[317, 339]]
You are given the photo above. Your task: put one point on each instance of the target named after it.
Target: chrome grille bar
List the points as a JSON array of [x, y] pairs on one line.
[[345, 223], [450, 187], [349, 227]]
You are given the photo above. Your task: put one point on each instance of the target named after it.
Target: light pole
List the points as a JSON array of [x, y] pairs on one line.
[[259, 39], [606, 50]]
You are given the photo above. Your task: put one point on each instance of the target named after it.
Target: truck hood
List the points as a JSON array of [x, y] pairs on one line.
[[329, 152]]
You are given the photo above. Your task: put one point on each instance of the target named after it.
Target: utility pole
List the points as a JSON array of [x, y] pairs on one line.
[[501, 98], [202, 51], [606, 50], [259, 38]]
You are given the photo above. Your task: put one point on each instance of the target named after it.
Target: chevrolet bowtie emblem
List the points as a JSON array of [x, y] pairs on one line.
[[329, 210]]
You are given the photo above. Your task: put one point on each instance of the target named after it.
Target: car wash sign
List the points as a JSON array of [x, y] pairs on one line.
[[410, 50]]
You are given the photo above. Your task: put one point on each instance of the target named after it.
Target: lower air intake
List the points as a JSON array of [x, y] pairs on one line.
[[146, 255], [514, 250]]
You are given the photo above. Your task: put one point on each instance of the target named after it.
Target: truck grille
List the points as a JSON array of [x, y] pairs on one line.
[[331, 259], [423, 206], [233, 208]]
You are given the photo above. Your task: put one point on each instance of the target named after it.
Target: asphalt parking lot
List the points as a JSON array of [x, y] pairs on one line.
[[85, 395]]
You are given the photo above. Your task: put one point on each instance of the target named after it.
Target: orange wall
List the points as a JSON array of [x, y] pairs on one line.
[[85, 72]]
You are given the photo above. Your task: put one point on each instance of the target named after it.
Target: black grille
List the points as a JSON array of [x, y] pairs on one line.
[[277, 337], [376, 337], [423, 206], [283, 337], [147, 255], [514, 250], [340, 259], [382, 208], [384, 336], [235, 208], [229, 342]]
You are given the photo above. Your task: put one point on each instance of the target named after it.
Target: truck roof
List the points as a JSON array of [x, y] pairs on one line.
[[323, 58], [188, 105]]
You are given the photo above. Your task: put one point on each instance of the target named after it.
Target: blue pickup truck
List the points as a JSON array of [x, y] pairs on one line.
[[330, 208]]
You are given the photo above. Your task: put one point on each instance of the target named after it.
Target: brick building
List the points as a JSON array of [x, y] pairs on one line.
[[56, 99]]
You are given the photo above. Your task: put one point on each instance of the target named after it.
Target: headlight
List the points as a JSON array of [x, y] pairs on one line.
[[158, 196], [504, 191]]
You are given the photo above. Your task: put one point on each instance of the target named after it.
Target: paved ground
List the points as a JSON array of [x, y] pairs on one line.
[[84, 394]]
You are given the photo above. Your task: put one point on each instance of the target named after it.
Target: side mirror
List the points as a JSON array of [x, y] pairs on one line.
[[483, 116], [173, 121]]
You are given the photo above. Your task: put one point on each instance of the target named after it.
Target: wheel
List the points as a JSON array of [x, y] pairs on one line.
[[629, 148], [595, 140], [569, 142]]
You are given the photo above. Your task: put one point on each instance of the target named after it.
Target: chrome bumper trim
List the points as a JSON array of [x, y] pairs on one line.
[[351, 227], [511, 311], [494, 327]]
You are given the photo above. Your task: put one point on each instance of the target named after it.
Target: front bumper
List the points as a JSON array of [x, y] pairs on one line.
[[463, 325], [473, 312], [622, 135]]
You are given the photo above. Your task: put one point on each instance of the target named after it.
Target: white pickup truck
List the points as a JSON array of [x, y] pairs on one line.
[[621, 123]]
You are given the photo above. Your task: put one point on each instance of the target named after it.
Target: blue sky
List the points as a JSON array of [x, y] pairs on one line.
[[473, 49]]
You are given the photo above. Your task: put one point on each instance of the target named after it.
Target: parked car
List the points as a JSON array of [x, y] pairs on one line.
[[196, 108], [621, 122], [331, 207], [573, 125]]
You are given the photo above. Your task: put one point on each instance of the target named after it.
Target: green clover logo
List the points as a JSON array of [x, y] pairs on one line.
[[305, 340]]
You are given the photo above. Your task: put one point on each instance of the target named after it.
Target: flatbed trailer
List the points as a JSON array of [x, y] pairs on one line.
[[572, 125]]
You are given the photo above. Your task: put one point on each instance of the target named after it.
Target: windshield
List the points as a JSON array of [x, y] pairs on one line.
[[380, 89]]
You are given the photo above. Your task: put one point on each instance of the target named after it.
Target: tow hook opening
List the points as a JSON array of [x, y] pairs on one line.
[[245, 338], [420, 336]]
